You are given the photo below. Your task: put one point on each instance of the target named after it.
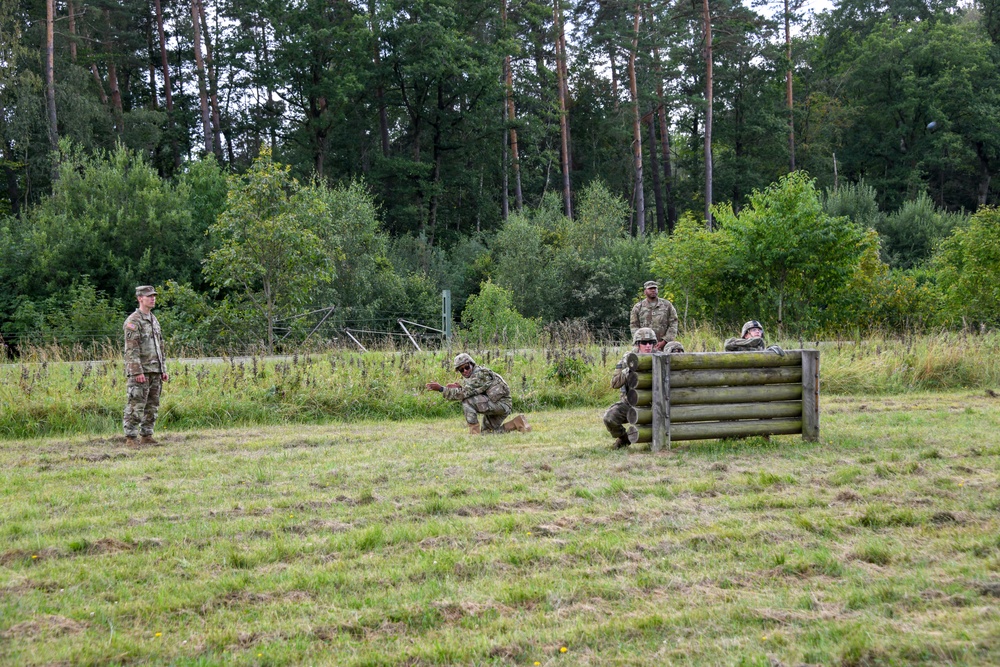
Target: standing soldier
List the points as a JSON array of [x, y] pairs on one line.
[[482, 392], [146, 367], [644, 340], [655, 313]]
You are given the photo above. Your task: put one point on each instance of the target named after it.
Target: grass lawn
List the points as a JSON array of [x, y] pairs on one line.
[[411, 543]]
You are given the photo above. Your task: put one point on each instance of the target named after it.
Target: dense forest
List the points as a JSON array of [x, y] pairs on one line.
[[275, 165]]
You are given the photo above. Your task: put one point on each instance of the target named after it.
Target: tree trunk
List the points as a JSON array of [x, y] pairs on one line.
[[504, 179], [206, 124], [984, 173], [661, 113], [788, 87], [50, 84], [72, 30], [383, 116], [13, 191], [166, 82], [100, 84], [116, 93], [655, 173], [563, 119], [640, 198], [151, 65], [213, 83], [614, 75], [436, 177], [708, 115], [511, 117]]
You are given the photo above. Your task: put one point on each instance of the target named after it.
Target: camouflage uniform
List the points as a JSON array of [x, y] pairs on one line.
[[660, 316], [483, 393], [744, 345], [617, 415], [751, 345], [143, 356]]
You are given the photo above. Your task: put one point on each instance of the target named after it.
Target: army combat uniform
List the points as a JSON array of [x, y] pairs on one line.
[[751, 345], [660, 316], [617, 415], [483, 393], [143, 356]]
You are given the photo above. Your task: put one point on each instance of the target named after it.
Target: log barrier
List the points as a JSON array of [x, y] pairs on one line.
[[702, 395]]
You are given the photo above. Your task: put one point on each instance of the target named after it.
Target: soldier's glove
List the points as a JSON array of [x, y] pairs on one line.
[[777, 350]]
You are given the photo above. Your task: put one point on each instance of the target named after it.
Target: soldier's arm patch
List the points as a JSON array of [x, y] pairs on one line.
[[130, 325]]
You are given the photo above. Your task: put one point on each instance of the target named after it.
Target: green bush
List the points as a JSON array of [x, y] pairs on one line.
[[490, 316]]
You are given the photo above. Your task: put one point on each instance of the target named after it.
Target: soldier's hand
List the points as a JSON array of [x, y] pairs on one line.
[[453, 385], [433, 386], [165, 377], [659, 346], [140, 378]]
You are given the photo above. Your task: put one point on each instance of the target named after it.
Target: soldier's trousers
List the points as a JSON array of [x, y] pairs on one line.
[[142, 404], [493, 412], [615, 417]]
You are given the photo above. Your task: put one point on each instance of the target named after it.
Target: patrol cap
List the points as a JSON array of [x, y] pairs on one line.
[[145, 290], [650, 283]]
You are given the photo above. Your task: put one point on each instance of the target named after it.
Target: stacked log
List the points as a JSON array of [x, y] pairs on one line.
[[723, 395]]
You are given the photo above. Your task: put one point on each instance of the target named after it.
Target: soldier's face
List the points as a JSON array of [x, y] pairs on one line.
[[651, 292], [465, 370], [646, 346], [147, 301], [754, 333]]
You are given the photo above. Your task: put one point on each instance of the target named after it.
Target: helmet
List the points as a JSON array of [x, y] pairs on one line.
[[463, 359], [644, 333], [752, 324]]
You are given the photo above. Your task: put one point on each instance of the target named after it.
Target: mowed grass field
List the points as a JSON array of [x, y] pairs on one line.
[[412, 543]]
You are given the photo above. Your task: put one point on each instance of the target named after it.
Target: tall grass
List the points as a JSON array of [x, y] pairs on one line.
[[51, 396]]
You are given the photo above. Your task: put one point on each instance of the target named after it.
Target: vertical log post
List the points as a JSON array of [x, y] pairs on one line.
[[661, 401], [810, 395]]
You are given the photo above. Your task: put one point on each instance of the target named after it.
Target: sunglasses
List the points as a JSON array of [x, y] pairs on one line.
[[463, 368], [647, 342]]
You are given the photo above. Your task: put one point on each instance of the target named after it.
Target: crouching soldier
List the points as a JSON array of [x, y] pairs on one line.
[[482, 392], [751, 340], [615, 418]]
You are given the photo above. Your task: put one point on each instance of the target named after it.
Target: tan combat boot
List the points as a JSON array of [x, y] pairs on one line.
[[474, 429], [131, 442], [147, 441], [518, 423]]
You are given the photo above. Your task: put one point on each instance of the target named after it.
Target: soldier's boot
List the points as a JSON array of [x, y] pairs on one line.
[[132, 442], [622, 442], [474, 429], [147, 441], [518, 423]]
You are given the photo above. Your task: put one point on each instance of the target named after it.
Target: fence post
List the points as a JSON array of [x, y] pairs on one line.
[[446, 314], [810, 395], [661, 401]]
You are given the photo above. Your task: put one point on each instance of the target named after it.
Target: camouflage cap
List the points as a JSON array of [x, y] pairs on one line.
[[650, 283], [644, 333], [145, 290], [461, 360]]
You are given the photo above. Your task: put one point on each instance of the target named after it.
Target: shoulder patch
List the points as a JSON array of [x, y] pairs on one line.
[[130, 325]]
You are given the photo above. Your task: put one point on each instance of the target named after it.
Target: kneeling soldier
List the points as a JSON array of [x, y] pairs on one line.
[[616, 416], [482, 392]]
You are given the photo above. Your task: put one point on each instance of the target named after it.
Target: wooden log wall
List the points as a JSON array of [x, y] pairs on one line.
[[722, 395]]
